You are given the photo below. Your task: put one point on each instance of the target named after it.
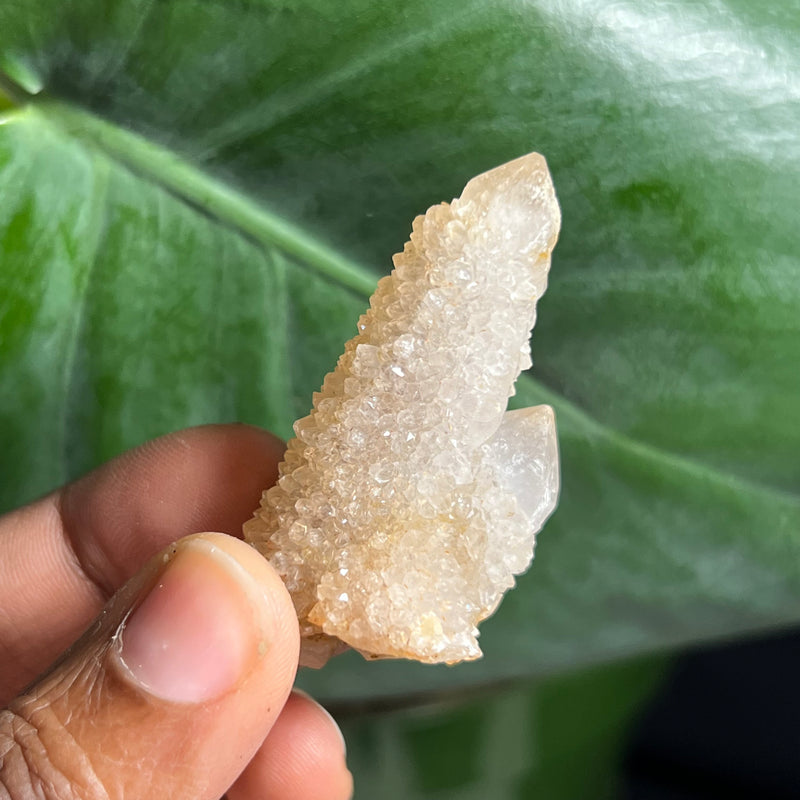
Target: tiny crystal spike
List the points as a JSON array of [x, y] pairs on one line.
[[410, 498]]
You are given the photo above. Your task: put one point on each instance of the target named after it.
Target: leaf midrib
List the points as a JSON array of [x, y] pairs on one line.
[[228, 205], [232, 208]]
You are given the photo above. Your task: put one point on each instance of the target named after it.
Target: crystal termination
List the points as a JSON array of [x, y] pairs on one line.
[[410, 498]]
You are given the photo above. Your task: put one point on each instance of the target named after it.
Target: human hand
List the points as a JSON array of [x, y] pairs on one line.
[[179, 688]]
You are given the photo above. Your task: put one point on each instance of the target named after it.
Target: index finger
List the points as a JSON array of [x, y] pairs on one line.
[[64, 555]]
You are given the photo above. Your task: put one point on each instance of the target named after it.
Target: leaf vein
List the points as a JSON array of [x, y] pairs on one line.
[[241, 212]]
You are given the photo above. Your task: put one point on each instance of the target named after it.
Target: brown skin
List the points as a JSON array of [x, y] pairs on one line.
[[85, 730]]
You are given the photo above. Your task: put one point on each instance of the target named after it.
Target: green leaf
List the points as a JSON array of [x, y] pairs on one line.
[[200, 195], [560, 739]]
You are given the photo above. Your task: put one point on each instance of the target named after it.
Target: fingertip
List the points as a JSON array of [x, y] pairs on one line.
[[310, 705], [303, 758], [215, 610], [264, 586]]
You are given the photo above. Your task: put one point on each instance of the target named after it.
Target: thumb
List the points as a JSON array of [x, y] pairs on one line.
[[169, 693]]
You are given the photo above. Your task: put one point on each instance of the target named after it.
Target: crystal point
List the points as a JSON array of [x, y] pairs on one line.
[[409, 498]]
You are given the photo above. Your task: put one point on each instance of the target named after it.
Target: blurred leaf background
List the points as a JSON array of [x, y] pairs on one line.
[[198, 196]]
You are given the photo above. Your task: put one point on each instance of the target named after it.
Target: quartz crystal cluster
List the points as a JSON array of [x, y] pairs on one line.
[[410, 498]]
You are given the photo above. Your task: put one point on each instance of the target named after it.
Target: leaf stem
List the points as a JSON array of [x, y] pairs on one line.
[[221, 201]]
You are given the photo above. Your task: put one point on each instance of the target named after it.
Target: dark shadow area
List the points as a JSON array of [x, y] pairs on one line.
[[725, 725]]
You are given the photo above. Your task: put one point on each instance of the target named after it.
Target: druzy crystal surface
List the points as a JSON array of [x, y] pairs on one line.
[[409, 498]]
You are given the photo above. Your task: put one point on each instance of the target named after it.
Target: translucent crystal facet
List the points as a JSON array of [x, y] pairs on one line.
[[409, 498]]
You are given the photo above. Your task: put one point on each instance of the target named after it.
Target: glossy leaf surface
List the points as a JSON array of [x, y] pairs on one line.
[[201, 195]]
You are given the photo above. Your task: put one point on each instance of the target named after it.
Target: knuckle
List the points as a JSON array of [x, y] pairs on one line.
[[26, 771], [39, 757]]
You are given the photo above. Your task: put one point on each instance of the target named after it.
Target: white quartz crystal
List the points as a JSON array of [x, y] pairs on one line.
[[410, 498]]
